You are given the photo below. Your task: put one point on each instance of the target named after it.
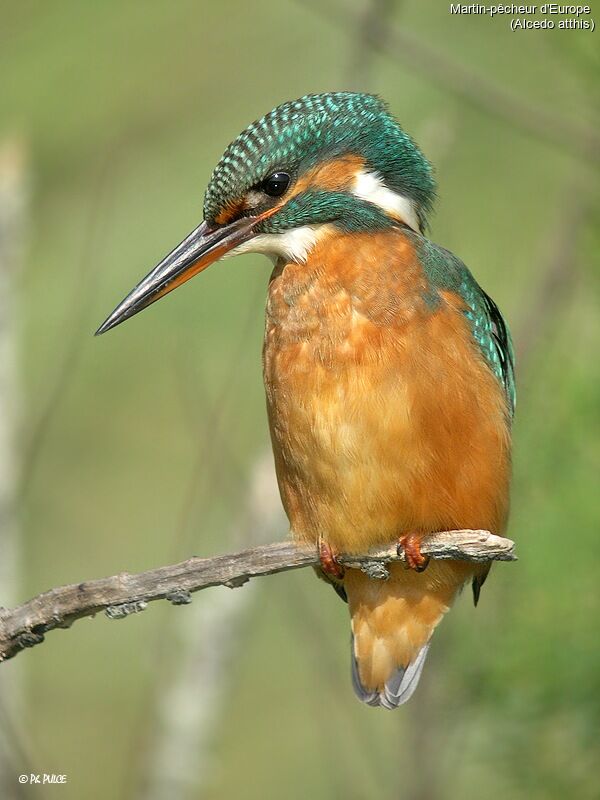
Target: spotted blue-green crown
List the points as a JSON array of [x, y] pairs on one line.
[[296, 135]]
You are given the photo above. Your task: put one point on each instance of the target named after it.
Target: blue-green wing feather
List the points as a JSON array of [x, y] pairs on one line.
[[445, 271], [503, 346]]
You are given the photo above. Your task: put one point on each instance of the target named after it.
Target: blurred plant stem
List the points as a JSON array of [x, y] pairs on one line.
[[370, 25], [179, 761], [470, 85], [559, 273], [78, 308], [14, 213], [371, 766], [207, 428]]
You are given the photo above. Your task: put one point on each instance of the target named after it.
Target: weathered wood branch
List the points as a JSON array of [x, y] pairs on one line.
[[120, 595]]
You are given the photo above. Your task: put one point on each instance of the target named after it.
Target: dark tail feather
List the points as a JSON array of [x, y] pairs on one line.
[[478, 582]]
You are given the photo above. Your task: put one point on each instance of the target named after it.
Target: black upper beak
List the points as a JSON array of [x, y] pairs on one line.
[[202, 247]]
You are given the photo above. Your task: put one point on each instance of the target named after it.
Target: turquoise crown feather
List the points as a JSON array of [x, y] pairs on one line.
[[298, 134]]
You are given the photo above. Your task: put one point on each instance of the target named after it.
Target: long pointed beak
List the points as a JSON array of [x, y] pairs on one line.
[[202, 247]]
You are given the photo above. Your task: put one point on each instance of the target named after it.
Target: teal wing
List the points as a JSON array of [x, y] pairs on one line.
[[501, 342], [445, 271], [488, 327]]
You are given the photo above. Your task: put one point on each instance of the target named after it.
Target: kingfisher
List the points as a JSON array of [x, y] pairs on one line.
[[389, 372]]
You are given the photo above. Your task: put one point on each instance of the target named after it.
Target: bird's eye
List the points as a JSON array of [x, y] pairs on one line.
[[276, 184]]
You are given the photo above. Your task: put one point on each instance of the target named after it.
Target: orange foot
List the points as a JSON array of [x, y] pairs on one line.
[[410, 545], [329, 563]]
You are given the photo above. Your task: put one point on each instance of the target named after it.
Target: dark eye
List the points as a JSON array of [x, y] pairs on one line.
[[276, 184]]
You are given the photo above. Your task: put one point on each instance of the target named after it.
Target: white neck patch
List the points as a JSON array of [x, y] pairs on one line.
[[369, 186], [293, 245]]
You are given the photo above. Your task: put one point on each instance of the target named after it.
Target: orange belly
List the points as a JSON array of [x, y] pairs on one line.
[[384, 416]]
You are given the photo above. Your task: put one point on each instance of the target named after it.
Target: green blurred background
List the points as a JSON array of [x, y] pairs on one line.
[[147, 445]]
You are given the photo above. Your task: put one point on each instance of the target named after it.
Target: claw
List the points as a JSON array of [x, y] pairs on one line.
[[410, 545], [329, 563]]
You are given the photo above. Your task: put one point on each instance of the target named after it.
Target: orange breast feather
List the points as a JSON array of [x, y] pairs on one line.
[[384, 416], [385, 419]]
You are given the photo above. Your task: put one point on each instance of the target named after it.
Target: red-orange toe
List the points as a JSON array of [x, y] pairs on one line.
[[329, 563], [410, 545]]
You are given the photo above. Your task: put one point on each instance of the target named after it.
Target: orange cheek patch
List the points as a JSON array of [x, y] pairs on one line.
[[331, 175]]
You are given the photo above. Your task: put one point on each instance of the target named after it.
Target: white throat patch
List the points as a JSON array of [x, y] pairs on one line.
[[293, 245], [370, 187]]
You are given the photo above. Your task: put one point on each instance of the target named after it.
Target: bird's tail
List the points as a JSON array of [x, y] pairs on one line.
[[392, 623]]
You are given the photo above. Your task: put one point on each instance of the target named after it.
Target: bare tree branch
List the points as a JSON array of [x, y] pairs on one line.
[[474, 88], [371, 24], [128, 593]]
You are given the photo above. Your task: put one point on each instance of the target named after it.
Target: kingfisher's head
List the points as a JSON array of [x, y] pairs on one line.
[[329, 161]]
